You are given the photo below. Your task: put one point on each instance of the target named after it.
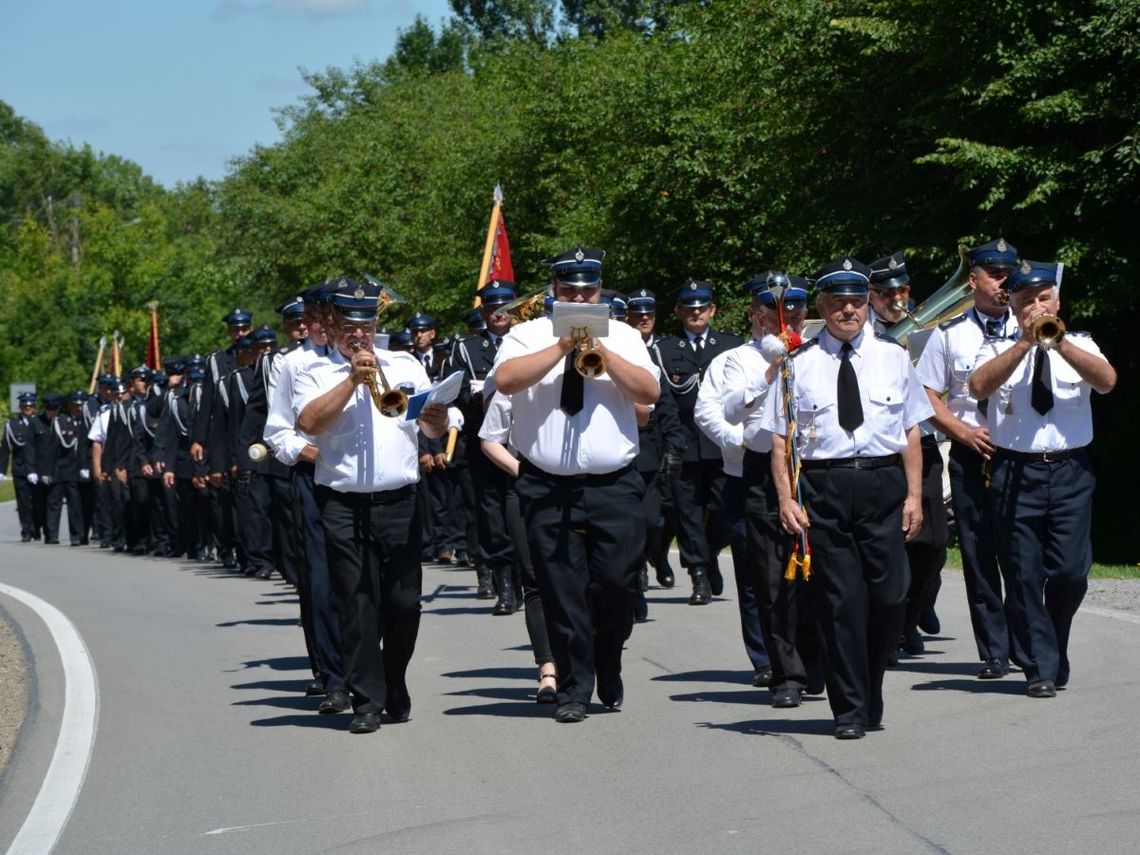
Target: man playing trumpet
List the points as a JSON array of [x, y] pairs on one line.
[[367, 466], [579, 492], [1039, 382]]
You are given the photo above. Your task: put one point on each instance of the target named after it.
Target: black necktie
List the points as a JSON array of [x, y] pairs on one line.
[[847, 392], [573, 392], [1041, 390], [698, 346], [993, 328]]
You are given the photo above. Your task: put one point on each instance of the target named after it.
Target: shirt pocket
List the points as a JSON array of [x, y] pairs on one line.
[[960, 370], [1067, 384], [813, 417], [886, 400]]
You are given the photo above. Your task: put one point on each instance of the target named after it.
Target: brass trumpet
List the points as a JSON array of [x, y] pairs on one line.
[[1048, 330], [590, 362], [392, 403]]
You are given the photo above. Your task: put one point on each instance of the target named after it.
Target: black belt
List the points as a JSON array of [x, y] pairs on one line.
[[853, 462], [757, 458], [377, 497], [528, 468], [1039, 456]]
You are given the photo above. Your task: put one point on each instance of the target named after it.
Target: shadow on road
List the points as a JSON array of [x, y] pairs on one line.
[[974, 687], [506, 694], [286, 702], [459, 610], [506, 709], [297, 686], [261, 622], [279, 663], [776, 727], [321, 722], [502, 673], [709, 676]]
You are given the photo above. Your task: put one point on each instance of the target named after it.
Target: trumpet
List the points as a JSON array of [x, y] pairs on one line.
[[258, 452], [390, 402], [590, 362], [1048, 330]]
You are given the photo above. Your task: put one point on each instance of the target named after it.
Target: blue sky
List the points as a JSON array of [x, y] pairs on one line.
[[182, 87]]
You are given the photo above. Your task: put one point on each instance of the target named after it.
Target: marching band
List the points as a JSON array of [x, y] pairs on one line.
[[560, 464]]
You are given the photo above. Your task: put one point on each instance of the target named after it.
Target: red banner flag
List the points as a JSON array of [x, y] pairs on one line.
[[501, 267], [153, 358]]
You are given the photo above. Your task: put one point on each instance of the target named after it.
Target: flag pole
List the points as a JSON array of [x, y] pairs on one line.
[[98, 365], [488, 247], [154, 357]]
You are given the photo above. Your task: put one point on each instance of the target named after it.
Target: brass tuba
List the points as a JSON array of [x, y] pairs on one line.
[[953, 298]]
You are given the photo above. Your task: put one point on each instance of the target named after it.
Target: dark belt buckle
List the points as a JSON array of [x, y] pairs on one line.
[[860, 463]]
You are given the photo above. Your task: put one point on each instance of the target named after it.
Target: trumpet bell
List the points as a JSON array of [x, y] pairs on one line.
[[1048, 331], [393, 404], [257, 452], [590, 363]]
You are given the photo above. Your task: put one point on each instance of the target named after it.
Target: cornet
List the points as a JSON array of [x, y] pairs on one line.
[[1048, 330], [392, 403], [590, 362]]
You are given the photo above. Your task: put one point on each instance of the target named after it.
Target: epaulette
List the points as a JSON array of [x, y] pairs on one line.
[[884, 337], [1079, 334], [806, 345], [945, 325]]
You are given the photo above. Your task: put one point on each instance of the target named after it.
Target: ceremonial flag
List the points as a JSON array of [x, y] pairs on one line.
[[497, 249], [153, 358]]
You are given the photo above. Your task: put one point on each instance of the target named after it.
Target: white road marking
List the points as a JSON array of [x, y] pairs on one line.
[[60, 789]]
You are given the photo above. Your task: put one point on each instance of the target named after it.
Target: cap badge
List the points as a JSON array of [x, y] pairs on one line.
[[359, 292], [847, 264], [692, 286], [579, 255], [893, 265], [1025, 268], [1002, 245]]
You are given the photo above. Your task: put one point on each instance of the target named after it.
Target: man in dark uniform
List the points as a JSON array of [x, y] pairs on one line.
[[207, 444], [926, 551], [698, 490], [944, 368], [57, 459], [19, 445], [661, 442], [182, 477], [578, 490], [165, 519], [484, 485], [1039, 384], [858, 404], [94, 492]]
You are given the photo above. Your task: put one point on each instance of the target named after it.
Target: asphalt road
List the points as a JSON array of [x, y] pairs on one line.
[[204, 742]]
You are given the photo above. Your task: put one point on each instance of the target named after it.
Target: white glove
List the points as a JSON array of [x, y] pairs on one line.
[[476, 387], [33, 478], [85, 474], [3, 477], [47, 480]]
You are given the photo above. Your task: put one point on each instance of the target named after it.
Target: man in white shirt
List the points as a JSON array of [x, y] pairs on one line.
[[367, 467], [579, 491], [858, 405], [1039, 383]]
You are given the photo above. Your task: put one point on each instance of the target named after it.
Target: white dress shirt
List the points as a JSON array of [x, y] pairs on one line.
[[363, 451], [892, 397], [746, 390], [708, 412], [602, 436], [99, 426], [948, 359], [496, 425], [280, 430], [1015, 425]]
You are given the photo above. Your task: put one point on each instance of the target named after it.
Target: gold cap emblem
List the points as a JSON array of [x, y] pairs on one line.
[[1002, 245], [1025, 268]]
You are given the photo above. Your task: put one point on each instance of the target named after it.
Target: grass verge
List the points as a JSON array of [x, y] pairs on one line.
[[1099, 571]]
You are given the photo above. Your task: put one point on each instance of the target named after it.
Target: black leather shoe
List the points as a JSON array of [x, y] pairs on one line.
[[314, 690], [702, 593], [264, 573], [716, 582], [786, 699], [928, 621], [893, 658], [1042, 689], [850, 731], [993, 669], [485, 587], [640, 609], [817, 683], [334, 702], [762, 678], [611, 692], [461, 559], [570, 713], [54, 540], [399, 710], [912, 641], [365, 723], [665, 576]]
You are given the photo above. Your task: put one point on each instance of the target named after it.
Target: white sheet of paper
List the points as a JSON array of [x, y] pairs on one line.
[[568, 317], [443, 393]]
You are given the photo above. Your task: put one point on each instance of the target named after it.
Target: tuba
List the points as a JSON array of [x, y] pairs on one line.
[[953, 298], [528, 306]]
